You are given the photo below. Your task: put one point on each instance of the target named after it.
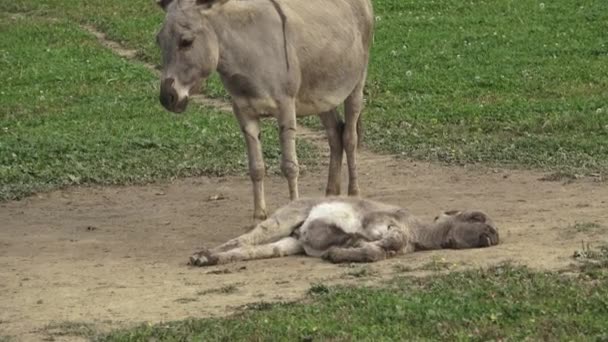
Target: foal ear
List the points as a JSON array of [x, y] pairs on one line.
[[163, 3], [476, 216]]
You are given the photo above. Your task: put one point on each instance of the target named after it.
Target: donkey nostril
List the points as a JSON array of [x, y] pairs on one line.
[[169, 82]]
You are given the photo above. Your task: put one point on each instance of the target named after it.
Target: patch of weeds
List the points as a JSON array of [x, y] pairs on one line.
[[4, 338], [359, 272], [436, 265], [185, 300], [402, 268], [560, 176], [259, 306], [228, 289], [318, 289], [70, 329], [593, 263], [587, 228]]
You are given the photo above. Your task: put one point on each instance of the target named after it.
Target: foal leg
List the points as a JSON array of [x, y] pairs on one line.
[[366, 252], [251, 131], [334, 128], [279, 225], [283, 247], [394, 242], [352, 110]]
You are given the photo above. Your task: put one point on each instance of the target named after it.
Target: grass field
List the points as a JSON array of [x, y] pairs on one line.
[[507, 83], [74, 113], [501, 303], [518, 83]]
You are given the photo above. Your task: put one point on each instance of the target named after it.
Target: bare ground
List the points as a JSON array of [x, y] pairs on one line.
[[116, 256], [111, 257]]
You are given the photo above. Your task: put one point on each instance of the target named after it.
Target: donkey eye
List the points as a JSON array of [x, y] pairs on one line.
[[185, 43]]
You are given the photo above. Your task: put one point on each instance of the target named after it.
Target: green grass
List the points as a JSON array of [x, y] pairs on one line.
[[586, 227], [501, 82], [505, 302], [593, 262], [516, 83], [134, 24], [228, 289], [72, 112], [70, 329]]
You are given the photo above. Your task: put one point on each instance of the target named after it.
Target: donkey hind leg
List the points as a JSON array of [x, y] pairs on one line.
[[352, 111], [334, 127], [279, 225], [287, 137], [283, 247]]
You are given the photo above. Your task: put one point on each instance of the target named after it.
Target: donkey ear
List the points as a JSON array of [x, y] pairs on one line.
[[163, 3]]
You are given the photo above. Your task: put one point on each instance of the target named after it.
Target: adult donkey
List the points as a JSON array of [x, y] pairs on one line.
[[275, 57]]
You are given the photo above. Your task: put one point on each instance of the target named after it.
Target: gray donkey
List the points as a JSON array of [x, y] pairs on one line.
[[351, 230], [279, 58]]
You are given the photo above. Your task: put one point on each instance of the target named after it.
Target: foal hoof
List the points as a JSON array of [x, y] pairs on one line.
[[203, 258]]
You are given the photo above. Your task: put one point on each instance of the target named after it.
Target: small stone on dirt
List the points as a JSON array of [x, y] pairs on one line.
[[217, 197], [223, 271]]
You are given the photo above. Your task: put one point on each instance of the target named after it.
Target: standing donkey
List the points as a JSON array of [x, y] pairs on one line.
[[280, 58]]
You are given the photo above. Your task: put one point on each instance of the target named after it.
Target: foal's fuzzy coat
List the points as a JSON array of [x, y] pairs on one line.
[[351, 230]]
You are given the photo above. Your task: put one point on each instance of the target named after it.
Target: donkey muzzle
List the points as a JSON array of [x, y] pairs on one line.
[[169, 97]]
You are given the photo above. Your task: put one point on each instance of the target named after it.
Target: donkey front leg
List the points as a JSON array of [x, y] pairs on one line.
[[250, 126], [283, 247], [289, 159]]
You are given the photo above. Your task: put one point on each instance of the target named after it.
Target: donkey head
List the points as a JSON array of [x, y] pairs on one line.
[[189, 49]]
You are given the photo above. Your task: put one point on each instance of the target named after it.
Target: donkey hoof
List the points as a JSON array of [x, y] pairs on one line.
[[202, 258], [260, 216]]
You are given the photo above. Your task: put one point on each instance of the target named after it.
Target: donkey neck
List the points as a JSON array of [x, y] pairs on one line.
[[429, 236], [245, 33]]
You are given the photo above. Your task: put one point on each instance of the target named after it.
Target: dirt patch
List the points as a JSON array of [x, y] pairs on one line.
[[78, 261], [117, 256]]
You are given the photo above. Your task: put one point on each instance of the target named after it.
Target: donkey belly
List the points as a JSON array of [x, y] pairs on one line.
[[328, 224], [331, 43], [326, 86]]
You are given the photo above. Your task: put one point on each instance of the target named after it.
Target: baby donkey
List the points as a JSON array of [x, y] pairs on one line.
[[342, 229]]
